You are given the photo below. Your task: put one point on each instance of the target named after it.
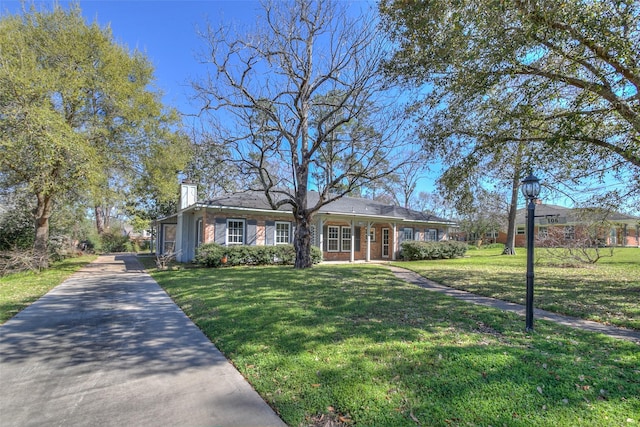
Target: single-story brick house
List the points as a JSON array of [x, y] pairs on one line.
[[347, 229], [614, 229]]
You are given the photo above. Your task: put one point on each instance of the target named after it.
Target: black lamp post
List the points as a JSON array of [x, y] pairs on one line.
[[531, 190]]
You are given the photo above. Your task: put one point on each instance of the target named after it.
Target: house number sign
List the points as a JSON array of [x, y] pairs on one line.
[[553, 219]]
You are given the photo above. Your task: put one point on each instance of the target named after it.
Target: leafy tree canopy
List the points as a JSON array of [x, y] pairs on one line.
[[575, 67], [78, 113]]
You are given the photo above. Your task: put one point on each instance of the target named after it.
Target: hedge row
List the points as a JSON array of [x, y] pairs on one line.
[[413, 250], [215, 255]]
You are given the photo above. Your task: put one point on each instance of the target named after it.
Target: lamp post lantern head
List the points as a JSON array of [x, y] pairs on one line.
[[531, 187]]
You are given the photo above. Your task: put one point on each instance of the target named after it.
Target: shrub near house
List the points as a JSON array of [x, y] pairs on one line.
[[215, 255], [415, 250]]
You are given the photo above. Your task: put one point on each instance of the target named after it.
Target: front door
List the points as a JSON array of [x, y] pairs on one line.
[[385, 243]]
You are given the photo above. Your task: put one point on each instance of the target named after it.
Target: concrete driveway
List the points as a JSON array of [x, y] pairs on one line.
[[108, 347]]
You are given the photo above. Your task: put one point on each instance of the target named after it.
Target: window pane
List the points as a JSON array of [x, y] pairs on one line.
[[235, 232], [569, 232], [408, 234], [169, 238], [282, 232], [333, 234], [346, 239], [199, 232], [170, 232]]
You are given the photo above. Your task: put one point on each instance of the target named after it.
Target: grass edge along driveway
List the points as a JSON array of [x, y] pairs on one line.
[[607, 292], [354, 345], [19, 290]]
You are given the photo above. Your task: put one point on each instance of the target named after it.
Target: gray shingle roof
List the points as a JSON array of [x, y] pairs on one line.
[[342, 206], [574, 215]]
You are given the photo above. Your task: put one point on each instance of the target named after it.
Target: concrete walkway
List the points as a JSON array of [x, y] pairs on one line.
[[615, 332], [108, 347]]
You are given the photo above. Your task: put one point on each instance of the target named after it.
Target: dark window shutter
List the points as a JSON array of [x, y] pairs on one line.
[[270, 233], [324, 238], [356, 248], [220, 231], [252, 231]]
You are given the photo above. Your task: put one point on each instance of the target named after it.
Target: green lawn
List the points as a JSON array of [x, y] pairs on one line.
[[354, 345], [608, 292], [19, 290]]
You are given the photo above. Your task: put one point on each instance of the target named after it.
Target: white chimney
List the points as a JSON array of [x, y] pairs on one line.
[[188, 194]]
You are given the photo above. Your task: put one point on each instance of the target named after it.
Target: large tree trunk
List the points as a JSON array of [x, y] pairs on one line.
[[510, 244], [100, 219], [302, 241], [42, 215], [302, 215]]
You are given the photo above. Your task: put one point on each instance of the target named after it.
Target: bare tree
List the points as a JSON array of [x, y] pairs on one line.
[[401, 186], [437, 204], [300, 100], [583, 244]]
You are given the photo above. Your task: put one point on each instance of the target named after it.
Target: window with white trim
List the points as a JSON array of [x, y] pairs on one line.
[[407, 234], [314, 235], [346, 239], [235, 231], [431, 235], [283, 232], [372, 233], [569, 232], [199, 232], [520, 230], [169, 238], [543, 232], [333, 238], [493, 234]]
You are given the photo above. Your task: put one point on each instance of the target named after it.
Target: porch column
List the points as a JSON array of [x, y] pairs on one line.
[[395, 242], [624, 235], [368, 242], [178, 244], [352, 255]]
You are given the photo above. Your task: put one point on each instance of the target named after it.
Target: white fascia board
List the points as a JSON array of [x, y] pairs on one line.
[[426, 222], [223, 208], [159, 220], [251, 210], [383, 218], [358, 216]]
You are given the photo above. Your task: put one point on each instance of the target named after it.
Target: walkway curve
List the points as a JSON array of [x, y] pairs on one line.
[[588, 325], [108, 347]]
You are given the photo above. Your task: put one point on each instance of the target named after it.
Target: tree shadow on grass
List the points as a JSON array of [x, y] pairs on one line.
[[364, 342]]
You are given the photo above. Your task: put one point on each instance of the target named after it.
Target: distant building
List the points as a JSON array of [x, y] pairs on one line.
[[611, 228]]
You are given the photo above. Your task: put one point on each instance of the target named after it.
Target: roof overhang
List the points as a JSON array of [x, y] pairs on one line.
[[342, 215], [386, 218]]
